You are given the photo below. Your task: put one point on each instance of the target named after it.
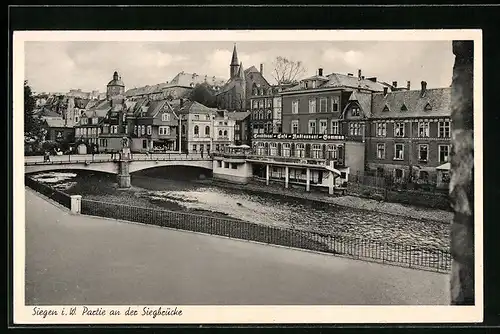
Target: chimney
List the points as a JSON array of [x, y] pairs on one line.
[[181, 103], [408, 85], [385, 91], [320, 72], [424, 88], [262, 69], [359, 74], [395, 84]]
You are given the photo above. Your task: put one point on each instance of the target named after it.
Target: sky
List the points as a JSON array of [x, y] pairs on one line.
[[58, 66]]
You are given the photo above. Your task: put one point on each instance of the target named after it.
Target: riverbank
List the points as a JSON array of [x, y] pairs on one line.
[[347, 201]]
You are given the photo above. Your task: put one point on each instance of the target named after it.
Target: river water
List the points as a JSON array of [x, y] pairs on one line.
[[182, 194]]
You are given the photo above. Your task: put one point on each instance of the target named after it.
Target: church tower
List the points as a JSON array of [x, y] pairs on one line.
[[115, 87], [234, 67]]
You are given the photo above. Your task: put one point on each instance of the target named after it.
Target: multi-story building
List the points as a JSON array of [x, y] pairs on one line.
[[152, 125], [197, 128], [242, 130], [224, 132], [89, 127], [409, 132]]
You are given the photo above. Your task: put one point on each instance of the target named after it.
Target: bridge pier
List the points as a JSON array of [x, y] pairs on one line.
[[123, 174]]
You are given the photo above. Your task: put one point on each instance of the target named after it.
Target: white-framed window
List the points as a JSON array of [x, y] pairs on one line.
[[254, 104], [261, 104], [196, 131], [207, 131], [381, 129], [399, 129], [444, 129], [323, 126], [273, 149], [300, 150], [237, 127], [225, 133], [335, 103], [332, 151], [114, 128], [355, 111], [164, 130], [143, 130], [126, 128], [312, 106], [165, 117], [195, 147], [135, 129], [269, 103], [444, 153], [312, 126], [335, 127], [313, 83], [423, 129], [423, 152], [295, 107], [380, 151], [207, 117], [295, 126], [285, 149], [96, 120], [399, 151], [149, 130], [76, 119], [99, 130], [323, 103], [196, 117], [316, 151], [355, 129]]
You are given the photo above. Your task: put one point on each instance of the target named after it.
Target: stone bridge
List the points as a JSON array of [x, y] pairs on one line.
[[107, 163]]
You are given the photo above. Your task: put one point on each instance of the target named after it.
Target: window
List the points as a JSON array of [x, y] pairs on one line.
[[237, 127], [273, 150], [126, 128], [237, 136], [355, 111], [332, 152], [225, 133], [428, 107], [381, 129], [197, 117], [316, 152], [398, 151], [286, 149], [96, 120], [219, 162], [76, 119], [164, 130], [234, 166], [323, 126], [300, 151], [399, 129], [355, 129], [207, 117], [295, 126], [312, 126], [135, 129], [114, 128], [322, 105], [335, 127], [423, 152], [403, 108], [269, 103], [220, 133], [423, 129], [444, 129], [312, 106], [196, 131], [254, 104], [149, 129], [335, 104], [295, 107], [144, 143], [183, 129], [202, 147], [261, 149], [143, 130], [207, 131], [380, 151], [165, 117], [386, 109], [444, 153], [313, 84], [195, 148], [398, 173]]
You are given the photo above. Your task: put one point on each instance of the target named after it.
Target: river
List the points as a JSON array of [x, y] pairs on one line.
[[179, 193]]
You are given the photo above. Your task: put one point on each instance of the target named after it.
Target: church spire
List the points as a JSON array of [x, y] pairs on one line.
[[241, 72], [233, 67]]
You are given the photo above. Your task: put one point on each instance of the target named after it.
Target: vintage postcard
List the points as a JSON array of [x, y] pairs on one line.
[[285, 176]]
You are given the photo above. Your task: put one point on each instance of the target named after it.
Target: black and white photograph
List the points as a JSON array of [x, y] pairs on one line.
[[247, 176]]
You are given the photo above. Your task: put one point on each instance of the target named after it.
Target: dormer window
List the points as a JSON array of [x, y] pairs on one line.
[[386, 109], [355, 111], [427, 107], [403, 108], [313, 84]]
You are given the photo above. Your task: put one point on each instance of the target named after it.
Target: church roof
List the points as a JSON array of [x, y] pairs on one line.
[[234, 59]]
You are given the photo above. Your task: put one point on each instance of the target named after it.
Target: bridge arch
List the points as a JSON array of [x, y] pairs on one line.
[[107, 167]]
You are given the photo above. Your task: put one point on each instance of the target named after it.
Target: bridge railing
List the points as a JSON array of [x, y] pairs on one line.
[[58, 196], [369, 250]]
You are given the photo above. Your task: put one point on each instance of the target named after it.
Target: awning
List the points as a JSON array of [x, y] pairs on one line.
[[445, 166]]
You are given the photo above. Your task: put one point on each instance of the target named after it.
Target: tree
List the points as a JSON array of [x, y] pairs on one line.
[[286, 71], [33, 130], [204, 94]]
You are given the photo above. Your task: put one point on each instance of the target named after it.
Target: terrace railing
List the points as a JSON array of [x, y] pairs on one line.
[[56, 195]]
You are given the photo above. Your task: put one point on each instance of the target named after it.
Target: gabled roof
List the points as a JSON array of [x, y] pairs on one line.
[[192, 79], [238, 115], [193, 107], [363, 99], [337, 80], [438, 98], [56, 123]]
